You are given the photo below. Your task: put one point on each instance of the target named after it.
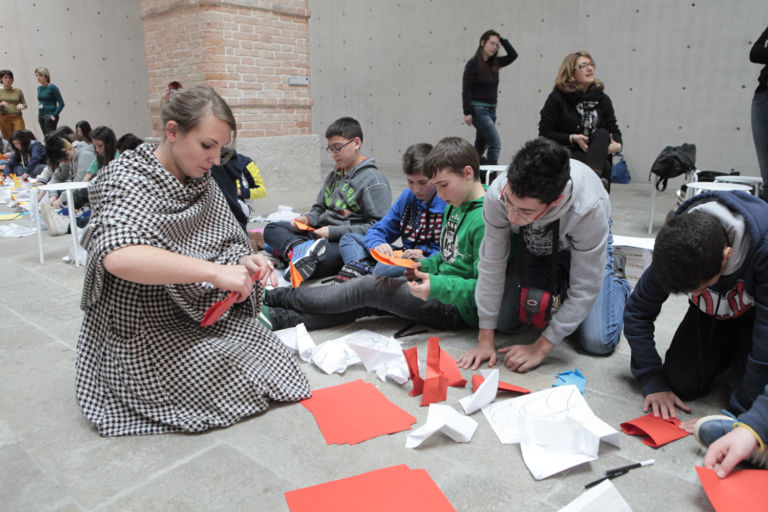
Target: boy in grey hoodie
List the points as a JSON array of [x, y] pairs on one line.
[[355, 195], [544, 186]]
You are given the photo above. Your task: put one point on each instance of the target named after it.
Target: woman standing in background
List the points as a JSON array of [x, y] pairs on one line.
[[480, 87], [50, 101], [12, 102]]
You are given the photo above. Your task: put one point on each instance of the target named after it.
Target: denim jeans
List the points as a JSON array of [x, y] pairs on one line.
[[601, 330], [325, 306], [760, 133], [352, 248], [280, 237], [486, 135]]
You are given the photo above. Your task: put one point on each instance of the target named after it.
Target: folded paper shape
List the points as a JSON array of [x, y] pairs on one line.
[[391, 260], [741, 491], [297, 339], [603, 496], [396, 488], [354, 412], [658, 430], [302, 226], [382, 356], [574, 377], [442, 372], [445, 419], [412, 359], [334, 356], [483, 395], [477, 380]]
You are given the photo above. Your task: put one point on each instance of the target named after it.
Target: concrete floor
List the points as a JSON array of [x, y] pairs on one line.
[[52, 459]]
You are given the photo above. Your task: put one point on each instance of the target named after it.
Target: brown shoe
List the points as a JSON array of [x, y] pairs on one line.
[[257, 240]]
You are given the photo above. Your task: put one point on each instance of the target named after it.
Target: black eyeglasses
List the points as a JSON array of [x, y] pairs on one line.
[[338, 147]]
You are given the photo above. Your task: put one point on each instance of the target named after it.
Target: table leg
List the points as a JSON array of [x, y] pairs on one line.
[[36, 214], [72, 224]]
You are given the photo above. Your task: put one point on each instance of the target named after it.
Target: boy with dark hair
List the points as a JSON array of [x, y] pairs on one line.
[[354, 196], [716, 250], [546, 198], [416, 219], [439, 293]]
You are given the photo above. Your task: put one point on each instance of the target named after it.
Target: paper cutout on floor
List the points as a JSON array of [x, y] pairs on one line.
[[382, 356], [354, 412], [741, 491], [297, 339], [14, 230], [483, 395], [445, 419], [442, 372], [555, 427], [303, 227], [412, 358], [573, 377], [334, 356], [391, 260], [603, 496], [12, 216], [477, 380], [392, 489], [658, 430]]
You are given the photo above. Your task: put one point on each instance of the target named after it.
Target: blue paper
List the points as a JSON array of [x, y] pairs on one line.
[[574, 377]]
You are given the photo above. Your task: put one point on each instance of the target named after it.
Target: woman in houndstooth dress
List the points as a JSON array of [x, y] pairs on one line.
[[162, 247]]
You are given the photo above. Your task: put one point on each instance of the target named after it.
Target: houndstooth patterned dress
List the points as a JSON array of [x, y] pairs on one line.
[[144, 364]]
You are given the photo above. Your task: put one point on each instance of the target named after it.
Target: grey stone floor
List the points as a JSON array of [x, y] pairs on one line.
[[52, 459]]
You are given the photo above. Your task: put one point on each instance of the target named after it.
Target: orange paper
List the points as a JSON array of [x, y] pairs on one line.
[[503, 386], [658, 430], [354, 412], [302, 226], [412, 358], [296, 278], [391, 260], [741, 491], [392, 489]]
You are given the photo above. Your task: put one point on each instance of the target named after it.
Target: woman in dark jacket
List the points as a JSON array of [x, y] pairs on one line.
[[579, 115], [27, 155], [480, 85]]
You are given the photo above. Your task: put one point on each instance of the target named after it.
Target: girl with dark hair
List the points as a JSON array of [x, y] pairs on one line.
[[12, 102], [83, 130], [480, 87], [162, 247], [579, 115], [27, 156], [105, 145]]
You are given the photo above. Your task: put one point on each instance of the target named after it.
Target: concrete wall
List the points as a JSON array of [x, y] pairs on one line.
[[677, 71], [94, 50]]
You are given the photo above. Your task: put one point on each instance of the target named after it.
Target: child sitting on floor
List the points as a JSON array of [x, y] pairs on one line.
[[355, 195], [415, 218]]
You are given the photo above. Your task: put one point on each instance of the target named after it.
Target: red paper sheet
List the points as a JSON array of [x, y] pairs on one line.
[[412, 358], [435, 383], [392, 489], [477, 380], [741, 491], [391, 260], [355, 412], [658, 430]]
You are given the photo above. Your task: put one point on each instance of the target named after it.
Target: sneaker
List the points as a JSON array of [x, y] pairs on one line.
[[619, 264], [305, 257], [56, 224], [711, 428], [277, 296], [352, 270], [284, 318]]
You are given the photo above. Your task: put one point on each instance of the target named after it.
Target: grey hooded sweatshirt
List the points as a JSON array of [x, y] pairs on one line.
[[583, 214], [351, 202]]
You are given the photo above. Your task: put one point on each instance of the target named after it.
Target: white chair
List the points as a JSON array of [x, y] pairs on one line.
[[755, 182], [68, 187], [488, 173]]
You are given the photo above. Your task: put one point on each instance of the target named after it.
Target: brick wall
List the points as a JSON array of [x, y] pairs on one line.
[[246, 49]]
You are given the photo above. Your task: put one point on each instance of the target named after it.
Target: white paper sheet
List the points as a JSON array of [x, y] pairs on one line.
[[484, 395], [16, 231], [334, 356], [604, 497], [555, 428], [445, 419], [297, 339], [381, 355]]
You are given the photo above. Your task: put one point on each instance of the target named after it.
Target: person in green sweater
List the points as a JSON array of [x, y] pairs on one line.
[[50, 102], [439, 292]]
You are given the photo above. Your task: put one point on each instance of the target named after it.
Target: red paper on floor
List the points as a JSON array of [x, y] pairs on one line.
[[355, 412], [392, 489], [477, 380], [658, 430], [743, 490], [412, 358], [442, 372]]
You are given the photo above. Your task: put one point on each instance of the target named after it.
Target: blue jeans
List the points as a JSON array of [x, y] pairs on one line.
[[760, 133], [486, 136], [352, 248], [601, 330]]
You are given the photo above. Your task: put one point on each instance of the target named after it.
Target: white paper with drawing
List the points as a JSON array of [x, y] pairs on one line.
[[555, 427]]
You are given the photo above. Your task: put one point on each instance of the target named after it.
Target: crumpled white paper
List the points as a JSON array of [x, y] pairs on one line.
[[381, 355], [283, 213], [297, 339], [484, 395], [334, 356], [16, 231], [445, 419]]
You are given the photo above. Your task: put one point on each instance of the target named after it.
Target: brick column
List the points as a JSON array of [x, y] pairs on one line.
[[248, 50]]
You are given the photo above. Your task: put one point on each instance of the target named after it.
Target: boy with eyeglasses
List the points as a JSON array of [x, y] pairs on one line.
[[545, 192], [439, 292], [354, 196]]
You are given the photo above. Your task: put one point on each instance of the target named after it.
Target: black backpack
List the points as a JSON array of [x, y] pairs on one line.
[[672, 162]]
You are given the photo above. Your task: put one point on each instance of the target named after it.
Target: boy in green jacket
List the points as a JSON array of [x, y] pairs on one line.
[[439, 293]]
